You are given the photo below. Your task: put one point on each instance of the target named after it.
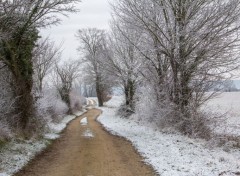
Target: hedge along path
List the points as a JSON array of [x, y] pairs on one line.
[[88, 150]]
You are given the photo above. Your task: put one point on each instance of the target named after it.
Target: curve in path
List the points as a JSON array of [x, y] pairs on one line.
[[86, 149]]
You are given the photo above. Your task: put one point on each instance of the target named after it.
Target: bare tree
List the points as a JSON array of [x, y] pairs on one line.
[[92, 45], [194, 44], [21, 20], [66, 74], [123, 62], [45, 55]]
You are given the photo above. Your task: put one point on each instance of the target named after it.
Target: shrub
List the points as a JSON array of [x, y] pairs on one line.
[[125, 111], [5, 132], [77, 101], [50, 108], [163, 114]]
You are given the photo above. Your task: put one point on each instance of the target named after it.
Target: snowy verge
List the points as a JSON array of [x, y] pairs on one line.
[[172, 154], [16, 154], [79, 113], [59, 127]]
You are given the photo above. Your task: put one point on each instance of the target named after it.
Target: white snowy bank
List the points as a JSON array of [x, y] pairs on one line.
[[17, 154], [171, 154]]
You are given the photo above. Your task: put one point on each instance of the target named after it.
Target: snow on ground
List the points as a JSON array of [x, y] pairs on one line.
[[92, 101], [84, 121], [56, 128], [227, 106], [17, 154], [79, 113], [115, 102], [88, 133], [3, 174], [171, 154]]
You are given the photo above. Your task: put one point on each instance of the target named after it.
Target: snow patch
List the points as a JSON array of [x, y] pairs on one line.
[[51, 136], [88, 133], [115, 102], [92, 101], [84, 121], [227, 106]]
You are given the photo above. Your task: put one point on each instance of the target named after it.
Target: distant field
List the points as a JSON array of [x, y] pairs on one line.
[[228, 105]]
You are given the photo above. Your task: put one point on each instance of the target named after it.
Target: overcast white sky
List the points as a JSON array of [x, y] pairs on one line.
[[93, 13]]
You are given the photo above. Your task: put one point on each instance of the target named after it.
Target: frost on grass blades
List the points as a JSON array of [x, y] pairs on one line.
[[17, 154], [171, 154]]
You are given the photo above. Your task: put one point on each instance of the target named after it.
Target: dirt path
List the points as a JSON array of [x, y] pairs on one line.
[[88, 151]]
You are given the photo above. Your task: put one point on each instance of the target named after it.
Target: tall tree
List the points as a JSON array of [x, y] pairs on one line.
[[92, 45], [45, 55], [21, 20], [124, 61], [66, 74], [193, 44]]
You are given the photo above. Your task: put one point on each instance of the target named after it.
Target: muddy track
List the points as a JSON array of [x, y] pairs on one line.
[[88, 151]]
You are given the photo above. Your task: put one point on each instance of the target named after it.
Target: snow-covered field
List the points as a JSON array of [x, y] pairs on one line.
[[173, 154], [227, 107], [18, 153]]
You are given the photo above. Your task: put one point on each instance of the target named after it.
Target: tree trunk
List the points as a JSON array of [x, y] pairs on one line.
[[129, 91], [24, 103], [126, 96], [99, 91], [64, 93]]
